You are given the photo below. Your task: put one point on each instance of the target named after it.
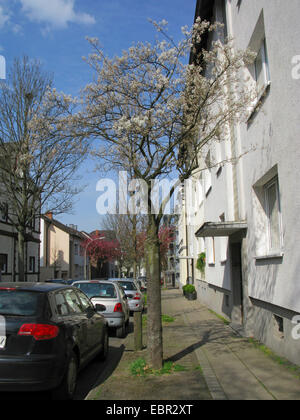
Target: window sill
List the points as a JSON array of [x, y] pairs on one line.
[[269, 256], [255, 107]]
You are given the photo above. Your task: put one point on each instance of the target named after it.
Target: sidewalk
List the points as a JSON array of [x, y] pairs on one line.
[[219, 364]]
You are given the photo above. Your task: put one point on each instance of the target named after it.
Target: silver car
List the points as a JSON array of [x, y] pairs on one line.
[[114, 301], [134, 295]]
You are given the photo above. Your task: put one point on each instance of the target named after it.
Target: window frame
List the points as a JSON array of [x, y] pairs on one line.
[[267, 186], [262, 53], [31, 268], [4, 271], [3, 212]]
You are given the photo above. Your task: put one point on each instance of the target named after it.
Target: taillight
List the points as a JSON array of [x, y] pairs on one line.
[[137, 297], [118, 307], [39, 331]]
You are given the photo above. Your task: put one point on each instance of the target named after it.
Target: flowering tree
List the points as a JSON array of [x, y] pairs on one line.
[[101, 250], [38, 155], [165, 236], [153, 114]]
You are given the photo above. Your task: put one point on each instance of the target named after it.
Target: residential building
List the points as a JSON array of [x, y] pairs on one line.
[[61, 253], [170, 263], [247, 220], [9, 249]]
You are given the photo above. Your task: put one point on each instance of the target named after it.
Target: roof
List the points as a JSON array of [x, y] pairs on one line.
[[221, 229], [64, 228], [34, 287]]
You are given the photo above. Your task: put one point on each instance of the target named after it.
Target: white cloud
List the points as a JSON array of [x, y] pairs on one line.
[[4, 17], [55, 13]]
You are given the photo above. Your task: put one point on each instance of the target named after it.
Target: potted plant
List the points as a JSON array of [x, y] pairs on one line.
[[201, 262], [190, 292]]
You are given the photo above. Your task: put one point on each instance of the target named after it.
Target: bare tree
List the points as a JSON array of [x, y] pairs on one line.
[[38, 156], [153, 115]]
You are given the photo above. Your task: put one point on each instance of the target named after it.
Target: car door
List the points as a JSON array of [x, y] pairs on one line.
[[80, 322], [96, 322], [67, 318]]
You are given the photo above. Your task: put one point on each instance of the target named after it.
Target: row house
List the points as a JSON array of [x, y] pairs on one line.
[[61, 252], [247, 223]]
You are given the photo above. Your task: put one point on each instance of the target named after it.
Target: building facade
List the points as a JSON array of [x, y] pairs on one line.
[[246, 222], [9, 249], [61, 253]]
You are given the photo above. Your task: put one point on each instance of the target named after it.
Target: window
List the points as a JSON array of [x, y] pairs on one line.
[[3, 263], [273, 215], [210, 246], [3, 212], [278, 326], [85, 302], [61, 304], [261, 68], [208, 178], [19, 303], [258, 70], [73, 301], [32, 264]]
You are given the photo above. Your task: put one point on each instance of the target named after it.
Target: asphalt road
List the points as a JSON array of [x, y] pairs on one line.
[[93, 374]]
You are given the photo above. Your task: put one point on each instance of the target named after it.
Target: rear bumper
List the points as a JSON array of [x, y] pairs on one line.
[[135, 305], [114, 319], [30, 373]]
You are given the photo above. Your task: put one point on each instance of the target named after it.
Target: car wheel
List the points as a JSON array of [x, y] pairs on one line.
[[66, 389], [121, 331], [104, 352]]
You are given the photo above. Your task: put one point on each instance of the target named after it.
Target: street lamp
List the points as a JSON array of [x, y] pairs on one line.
[[85, 253]]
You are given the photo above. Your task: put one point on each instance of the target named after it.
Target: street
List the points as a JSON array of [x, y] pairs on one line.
[[92, 375]]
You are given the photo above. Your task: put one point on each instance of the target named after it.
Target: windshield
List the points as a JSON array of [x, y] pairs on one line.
[[127, 285], [102, 290], [18, 302]]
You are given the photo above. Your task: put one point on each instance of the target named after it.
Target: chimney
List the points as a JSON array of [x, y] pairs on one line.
[[49, 215]]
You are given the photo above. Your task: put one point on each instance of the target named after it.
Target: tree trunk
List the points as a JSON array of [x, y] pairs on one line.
[[21, 255], [154, 322]]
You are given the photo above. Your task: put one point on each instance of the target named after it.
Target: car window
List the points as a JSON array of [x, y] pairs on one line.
[[102, 290], [72, 301], [127, 285], [15, 302], [85, 302], [61, 304]]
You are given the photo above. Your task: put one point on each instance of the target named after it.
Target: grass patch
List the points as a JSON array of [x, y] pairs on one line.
[[166, 319], [224, 320], [278, 359], [140, 368]]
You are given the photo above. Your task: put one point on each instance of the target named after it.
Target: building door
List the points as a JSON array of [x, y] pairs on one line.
[[237, 283]]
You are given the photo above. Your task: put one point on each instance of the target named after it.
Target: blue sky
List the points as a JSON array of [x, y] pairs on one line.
[[54, 32]]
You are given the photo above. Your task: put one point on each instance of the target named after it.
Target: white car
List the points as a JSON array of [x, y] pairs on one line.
[[134, 295], [116, 308]]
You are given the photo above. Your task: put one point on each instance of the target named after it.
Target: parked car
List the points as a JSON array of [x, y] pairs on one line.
[[48, 333], [60, 281], [114, 300], [142, 282], [134, 295]]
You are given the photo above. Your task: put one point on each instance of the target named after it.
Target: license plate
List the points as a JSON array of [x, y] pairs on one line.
[[2, 342]]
